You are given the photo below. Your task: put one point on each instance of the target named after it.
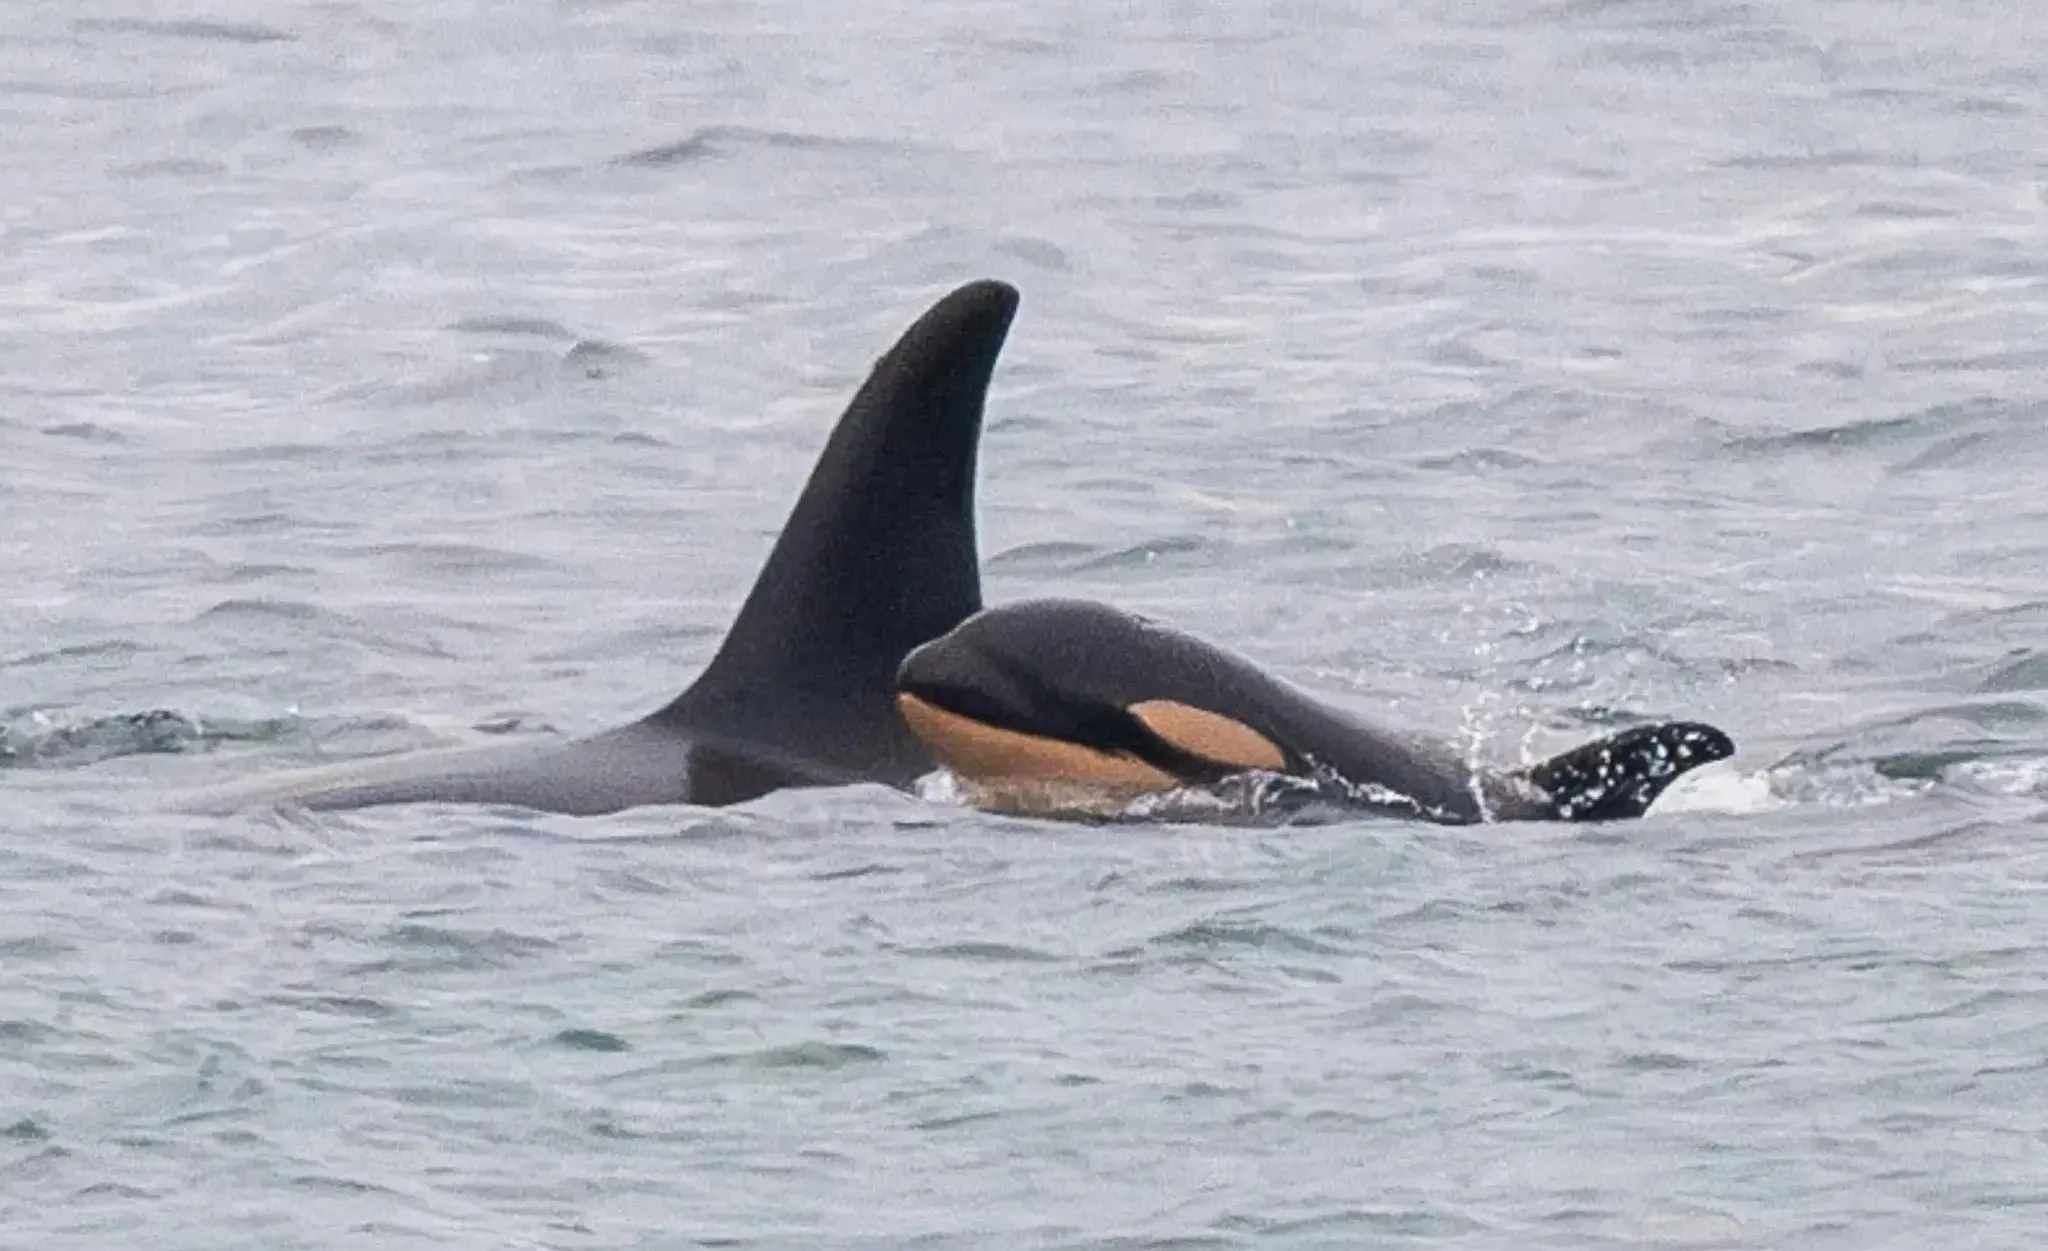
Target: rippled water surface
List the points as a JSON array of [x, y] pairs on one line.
[[378, 375]]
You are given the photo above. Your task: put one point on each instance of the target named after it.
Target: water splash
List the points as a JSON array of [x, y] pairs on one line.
[[41, 740]]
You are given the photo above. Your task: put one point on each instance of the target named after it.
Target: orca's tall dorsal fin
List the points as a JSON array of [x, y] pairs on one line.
[[878, 556], [1620, 776]]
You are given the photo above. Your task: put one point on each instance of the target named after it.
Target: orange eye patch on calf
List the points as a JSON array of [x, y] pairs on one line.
[[1210, 735], [986, 753]]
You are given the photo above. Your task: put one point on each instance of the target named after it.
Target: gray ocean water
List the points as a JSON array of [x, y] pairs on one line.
[[377, 375]]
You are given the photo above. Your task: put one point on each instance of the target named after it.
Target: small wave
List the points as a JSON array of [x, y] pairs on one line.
[[532, 327], [714, 141], [804, 1055], [1175, 548], [113, 649], [587, 355], [2026, 614], [442, 560], [516, 370], [1775, 162], [260, 609], [174, 167], [1049, 557], [1032, 251], [1912, 754], [360, 1007], [1447, 563], [269, 453], [2012, 775], [263, 614], [1480, 460], [987, 952], [1841, 437], [35, 947], [1969, 840], [1975, 727], [1930, 438], [433, 948], [598, 359], [85, 432], [1584, 646], [323, 138], [1931, 764], [1214, 934], [90, 90], [26, 1130], [2017, 671], [2025, 361], [210, 32]]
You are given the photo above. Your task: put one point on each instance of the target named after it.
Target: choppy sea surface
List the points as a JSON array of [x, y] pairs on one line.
[[377, 375]]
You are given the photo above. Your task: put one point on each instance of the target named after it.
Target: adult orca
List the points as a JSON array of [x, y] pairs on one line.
[[878, 556], [1073, 693]]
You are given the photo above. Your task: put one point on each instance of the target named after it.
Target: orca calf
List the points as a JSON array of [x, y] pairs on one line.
[[1079, 694], [878, 556]]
